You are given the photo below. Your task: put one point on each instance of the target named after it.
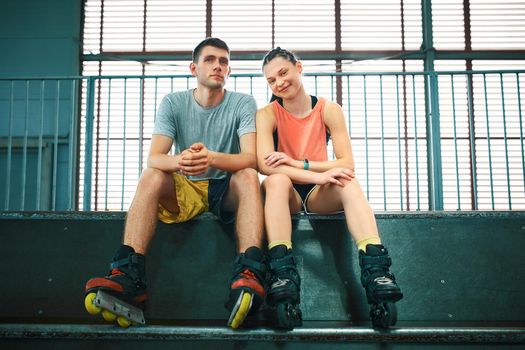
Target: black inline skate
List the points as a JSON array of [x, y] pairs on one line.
[[284, 288], [247, 290], [380, 285], [121, 295]]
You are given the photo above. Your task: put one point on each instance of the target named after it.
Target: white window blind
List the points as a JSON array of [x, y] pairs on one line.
[[305, 24], [448, 24], [386, 120], [251, 18], [497, 24], [175, 25], [373, 25]]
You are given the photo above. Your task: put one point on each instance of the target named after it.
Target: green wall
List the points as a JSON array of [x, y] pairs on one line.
[[38, 39]]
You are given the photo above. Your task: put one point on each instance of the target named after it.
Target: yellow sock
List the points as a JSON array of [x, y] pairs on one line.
[[361, 244], [288, 244]]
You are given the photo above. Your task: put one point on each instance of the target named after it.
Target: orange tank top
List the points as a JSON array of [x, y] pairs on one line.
[[304, 137]]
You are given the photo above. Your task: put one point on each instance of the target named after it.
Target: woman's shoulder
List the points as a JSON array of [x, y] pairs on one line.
[[331, 108], [266, 110]]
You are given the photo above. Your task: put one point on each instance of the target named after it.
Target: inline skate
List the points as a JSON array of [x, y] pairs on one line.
[[284, 288], [121, 295], [247, 290], [380, 284]]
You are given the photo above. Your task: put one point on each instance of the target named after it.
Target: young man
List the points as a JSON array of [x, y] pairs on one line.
[[213, 169]]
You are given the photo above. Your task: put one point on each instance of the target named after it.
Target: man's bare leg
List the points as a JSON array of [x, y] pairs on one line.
[[121, 295], [155, 186], [247, 289], [244, 197]]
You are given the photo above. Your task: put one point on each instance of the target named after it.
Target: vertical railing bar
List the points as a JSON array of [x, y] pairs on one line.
[[40, 144], [366, 139], [235, 84], [488, 138], [521, 129], [9, 146], [505, 139], [24, 155], [315, 85], [187, 83], [108, 127], [382, 140], [332, 87], [171, 90], [88, 159], [433, 141], [251, 85], [155, 99], [55, 149], [399, 144], [348, 109], [71, 145], [472, 140], [455, 140], [141, 125], [124, 144], [416, 142]]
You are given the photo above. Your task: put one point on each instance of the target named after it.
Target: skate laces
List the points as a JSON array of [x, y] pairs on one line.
[[248, 280], [248, 274], [383, 280], [116, 272]]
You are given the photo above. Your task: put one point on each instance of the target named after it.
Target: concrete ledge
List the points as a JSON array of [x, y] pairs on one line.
[[479, 335], [452, 267], [121, 215]]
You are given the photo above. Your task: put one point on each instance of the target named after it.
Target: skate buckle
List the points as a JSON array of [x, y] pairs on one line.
[[118, 307]]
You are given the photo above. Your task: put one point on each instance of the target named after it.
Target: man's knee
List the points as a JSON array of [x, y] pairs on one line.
[[154, 179], [245, 179], [277, 182]]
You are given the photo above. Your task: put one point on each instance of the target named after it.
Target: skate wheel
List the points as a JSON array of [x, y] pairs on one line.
[[108, 315], [288, 316], [383, 315], [241, 311], [89, 303], [123, 322]]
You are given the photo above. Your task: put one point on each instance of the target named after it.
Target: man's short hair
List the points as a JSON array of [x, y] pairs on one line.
[[215, 42]]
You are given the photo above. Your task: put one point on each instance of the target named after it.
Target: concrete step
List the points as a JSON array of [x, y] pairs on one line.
[[460, 271], [327, 333]]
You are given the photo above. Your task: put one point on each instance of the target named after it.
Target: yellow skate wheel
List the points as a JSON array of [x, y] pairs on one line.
[[242, 312], [90, 304], [123, 322], [108, 315]]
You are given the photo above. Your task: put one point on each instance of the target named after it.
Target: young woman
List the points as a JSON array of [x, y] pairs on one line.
[[292, 134]]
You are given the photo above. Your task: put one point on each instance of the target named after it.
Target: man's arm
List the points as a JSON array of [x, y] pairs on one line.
[[234, 162], [158, 156]]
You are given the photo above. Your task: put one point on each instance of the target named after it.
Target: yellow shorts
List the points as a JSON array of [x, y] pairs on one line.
[[196, 197]]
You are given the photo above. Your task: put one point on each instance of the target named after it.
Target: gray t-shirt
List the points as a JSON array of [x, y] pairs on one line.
[[181, 118]]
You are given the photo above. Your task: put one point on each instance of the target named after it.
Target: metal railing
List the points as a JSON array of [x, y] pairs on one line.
[[421, 141]]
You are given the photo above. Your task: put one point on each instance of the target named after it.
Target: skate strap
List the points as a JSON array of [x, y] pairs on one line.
[[288, 260], [375, 260], [250, 263], [127, 261]]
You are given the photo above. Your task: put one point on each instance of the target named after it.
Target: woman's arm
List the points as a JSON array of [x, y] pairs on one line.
[[334, 121], [266, 156]]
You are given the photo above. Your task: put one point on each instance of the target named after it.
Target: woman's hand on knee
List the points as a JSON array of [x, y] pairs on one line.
[[335, 176]]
